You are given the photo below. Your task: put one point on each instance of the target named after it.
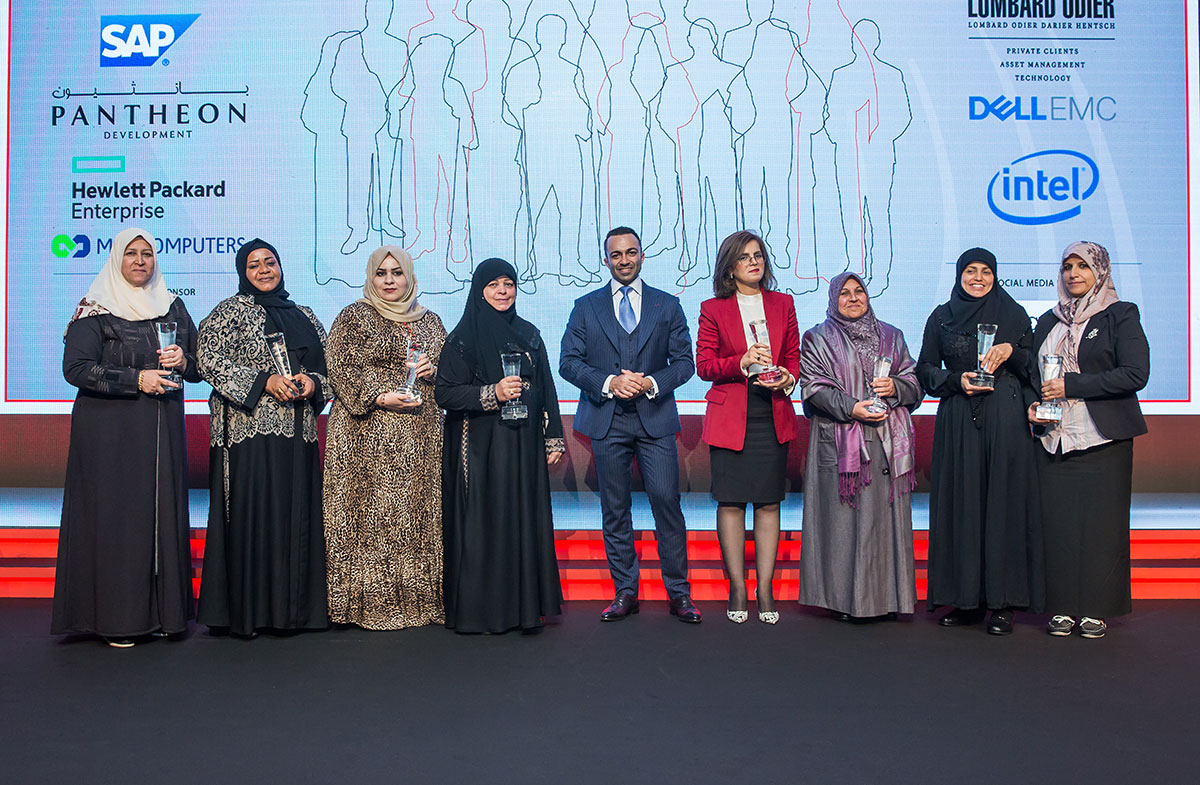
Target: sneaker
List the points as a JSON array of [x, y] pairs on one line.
[[1061, 625], [1092, 628], [119, 643]]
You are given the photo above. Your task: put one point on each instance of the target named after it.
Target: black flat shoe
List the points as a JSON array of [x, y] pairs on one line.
[[1001, 622], [962, 617]]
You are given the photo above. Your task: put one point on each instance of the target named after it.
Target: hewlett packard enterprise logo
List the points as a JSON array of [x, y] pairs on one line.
[[141, 39]]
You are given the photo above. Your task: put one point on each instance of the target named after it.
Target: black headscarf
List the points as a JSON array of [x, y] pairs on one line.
[[996, 307], [303, 342], [483, 332]]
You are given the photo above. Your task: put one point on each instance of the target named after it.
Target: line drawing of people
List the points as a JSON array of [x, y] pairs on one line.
[[675, 109], [708, 160], [545, 92], [776, 182], [582, 50], [671, 105], [867, 110], [494, 207], [436, 96], [519, 124], [433, 99], [346, 107], [624, 116]]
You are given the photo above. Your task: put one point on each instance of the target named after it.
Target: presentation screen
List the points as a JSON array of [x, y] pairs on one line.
[[879, 137]]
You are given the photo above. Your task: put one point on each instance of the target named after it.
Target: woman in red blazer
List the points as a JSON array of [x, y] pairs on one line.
[[749, 421]]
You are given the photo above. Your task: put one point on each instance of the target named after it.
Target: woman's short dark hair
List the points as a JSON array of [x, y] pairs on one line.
[[727, 258]]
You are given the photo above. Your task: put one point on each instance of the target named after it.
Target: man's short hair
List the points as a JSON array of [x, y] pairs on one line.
[[620, 230]]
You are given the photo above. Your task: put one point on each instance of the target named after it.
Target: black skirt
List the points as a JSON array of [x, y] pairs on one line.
[[1085, 516], [755, 474]]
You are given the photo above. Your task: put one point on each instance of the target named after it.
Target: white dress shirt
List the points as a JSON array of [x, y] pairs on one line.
[[635, 301]]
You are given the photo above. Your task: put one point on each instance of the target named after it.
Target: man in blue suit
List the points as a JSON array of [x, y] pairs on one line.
[[627, 348]]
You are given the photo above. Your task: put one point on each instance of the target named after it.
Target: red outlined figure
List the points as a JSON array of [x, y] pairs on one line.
[[867, 110], [544, 90]]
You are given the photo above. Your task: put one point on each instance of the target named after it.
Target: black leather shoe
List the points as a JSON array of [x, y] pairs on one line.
[[1001, 622], [962, 617], [682, 607], [625, 603]]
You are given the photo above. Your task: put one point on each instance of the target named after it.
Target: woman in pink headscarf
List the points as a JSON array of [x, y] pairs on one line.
[[1087, 463]]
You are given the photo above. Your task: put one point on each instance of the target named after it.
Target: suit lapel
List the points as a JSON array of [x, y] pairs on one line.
[[731, 321], [652, 305], [612, 329]]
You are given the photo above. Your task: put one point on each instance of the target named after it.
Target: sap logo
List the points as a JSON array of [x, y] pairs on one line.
[[1043, 188], [140, 40], [1003, 108], [63, 246]]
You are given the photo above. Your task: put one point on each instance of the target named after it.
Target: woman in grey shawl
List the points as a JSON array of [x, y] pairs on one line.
[[857, 552]]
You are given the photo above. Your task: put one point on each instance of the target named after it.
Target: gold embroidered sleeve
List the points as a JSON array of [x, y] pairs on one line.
[[487, 398]]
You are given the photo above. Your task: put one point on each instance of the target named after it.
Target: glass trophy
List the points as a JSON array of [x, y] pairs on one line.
[[883, 368], [1052, 368], [512, 409], [166, 337], [768, 374], [987, 338], [279, 354], [408, 387]]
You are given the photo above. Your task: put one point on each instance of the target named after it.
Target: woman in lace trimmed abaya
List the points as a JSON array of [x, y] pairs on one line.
[[501, 571], [264, 556], [383, 456], [124, 560], [985, 542]]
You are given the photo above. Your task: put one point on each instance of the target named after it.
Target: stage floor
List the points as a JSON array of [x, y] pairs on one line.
[[42, 507], [646, 700]]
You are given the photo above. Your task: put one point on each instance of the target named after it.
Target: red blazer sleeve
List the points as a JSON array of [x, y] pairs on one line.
[[710, 366]]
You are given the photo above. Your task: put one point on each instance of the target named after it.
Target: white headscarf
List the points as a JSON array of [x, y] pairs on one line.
[[111, 293]]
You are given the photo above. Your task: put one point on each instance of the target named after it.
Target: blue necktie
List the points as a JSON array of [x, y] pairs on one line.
[[625, 311]]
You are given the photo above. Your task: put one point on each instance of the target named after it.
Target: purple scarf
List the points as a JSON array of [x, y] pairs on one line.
[[840, 353]]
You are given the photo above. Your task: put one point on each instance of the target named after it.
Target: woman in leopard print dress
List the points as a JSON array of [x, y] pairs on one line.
[[383, 457]]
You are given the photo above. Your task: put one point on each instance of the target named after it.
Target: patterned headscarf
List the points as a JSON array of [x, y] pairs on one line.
[[863, 331], [1074, 312]]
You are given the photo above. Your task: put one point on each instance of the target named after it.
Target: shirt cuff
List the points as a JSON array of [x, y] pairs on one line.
[[605, 391], [653, 391]]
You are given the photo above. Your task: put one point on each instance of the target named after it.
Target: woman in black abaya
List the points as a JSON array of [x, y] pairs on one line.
[[500, 571], [985, 544], [264, 558], [124, 564]]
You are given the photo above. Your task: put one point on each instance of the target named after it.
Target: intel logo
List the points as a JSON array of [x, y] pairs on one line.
[[140, 40], [1043, 188]]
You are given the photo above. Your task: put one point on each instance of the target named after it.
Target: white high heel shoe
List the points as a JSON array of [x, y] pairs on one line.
[[766, 617]]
